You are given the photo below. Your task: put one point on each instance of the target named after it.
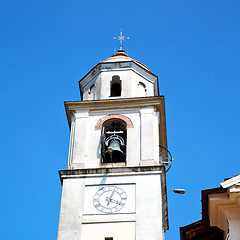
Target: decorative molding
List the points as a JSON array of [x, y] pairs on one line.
[[231, 182], [103, 172], [113, 116]]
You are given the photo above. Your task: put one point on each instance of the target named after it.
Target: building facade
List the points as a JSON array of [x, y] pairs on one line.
[[220, 214], [115, 184]]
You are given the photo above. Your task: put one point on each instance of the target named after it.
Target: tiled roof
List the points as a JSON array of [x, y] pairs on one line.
[[121, 56]]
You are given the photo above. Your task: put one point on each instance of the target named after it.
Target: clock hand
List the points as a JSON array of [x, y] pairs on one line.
[[109, 198], [112, 193], [112, 200]]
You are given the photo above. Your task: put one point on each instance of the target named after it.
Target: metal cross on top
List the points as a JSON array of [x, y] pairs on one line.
[[121, 38]]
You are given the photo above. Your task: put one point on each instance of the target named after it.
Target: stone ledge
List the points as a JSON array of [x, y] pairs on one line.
[[119, 171]]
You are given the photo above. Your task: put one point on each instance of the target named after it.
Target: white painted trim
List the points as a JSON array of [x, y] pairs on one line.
[[89, 175], [230, 182]]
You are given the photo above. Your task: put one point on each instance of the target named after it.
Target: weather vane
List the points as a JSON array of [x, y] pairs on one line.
[[121, 38]]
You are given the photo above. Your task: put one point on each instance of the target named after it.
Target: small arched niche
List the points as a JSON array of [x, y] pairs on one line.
[[115, 86], [91, 92], [113, 141], [141, 90]]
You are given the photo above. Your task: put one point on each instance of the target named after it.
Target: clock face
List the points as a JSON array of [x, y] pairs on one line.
[[109, 199]]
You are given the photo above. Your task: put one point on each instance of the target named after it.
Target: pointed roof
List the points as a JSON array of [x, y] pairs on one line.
[[121, 56]]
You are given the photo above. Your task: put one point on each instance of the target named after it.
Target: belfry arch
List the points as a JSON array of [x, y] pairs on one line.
[[113, 141], [128, 122]]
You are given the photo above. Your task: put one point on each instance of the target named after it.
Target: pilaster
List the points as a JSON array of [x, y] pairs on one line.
[[147, 132], [78, 146]]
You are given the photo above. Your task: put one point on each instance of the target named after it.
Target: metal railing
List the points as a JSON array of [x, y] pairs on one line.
[[165, 157]]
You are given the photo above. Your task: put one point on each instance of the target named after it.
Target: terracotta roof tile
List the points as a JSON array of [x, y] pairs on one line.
[[121, 56]]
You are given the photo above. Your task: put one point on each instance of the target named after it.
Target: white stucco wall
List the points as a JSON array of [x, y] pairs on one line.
[[118, 231], [143, 219], [142, 139]]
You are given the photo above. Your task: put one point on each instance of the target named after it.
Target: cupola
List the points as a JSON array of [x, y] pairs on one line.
[[118, 77]]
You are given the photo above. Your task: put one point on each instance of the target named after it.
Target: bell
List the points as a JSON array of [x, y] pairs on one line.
[[114, 145]]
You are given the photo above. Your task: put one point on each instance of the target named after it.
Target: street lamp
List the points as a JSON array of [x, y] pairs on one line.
[[178, 191]]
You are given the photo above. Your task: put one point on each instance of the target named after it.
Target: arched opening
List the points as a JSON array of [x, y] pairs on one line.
[[113, 141], [142, 90], [116, 86], [91, 92], [91, 89]]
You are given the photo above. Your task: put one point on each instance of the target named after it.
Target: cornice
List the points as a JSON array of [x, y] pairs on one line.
[[231, 182], [123, 103], [102, 66], [103, 172]]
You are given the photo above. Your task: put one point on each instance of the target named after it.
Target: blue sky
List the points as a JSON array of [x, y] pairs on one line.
[[47, 46]]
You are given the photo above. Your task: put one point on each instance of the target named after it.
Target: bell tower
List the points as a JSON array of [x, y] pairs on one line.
[[114, 187]]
